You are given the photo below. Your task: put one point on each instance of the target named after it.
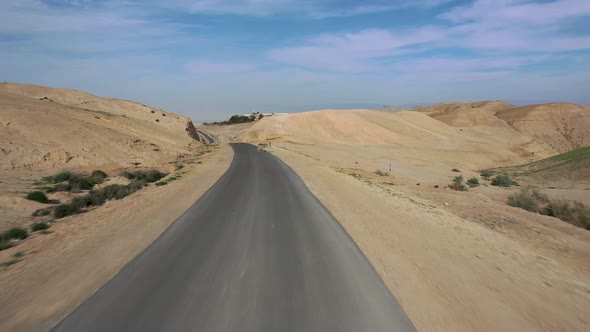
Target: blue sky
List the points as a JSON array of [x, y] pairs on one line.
[[212, 58]]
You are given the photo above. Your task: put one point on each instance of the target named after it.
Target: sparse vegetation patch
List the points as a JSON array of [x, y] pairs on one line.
[[38, 196], [473, 182], [458, 184], [39, 226], [7, 238], [486, 175], [503, 180], [381, 173], [532, 200]]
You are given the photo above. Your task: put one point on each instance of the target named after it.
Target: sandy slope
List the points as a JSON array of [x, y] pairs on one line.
[[562, 126], [44, 128], [404, 137], [61, 269]]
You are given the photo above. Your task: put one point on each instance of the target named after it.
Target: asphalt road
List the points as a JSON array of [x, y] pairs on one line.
[[258, 252]]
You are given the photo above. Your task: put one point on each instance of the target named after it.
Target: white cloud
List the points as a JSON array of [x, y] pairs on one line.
[[353, 52], [316, 9]]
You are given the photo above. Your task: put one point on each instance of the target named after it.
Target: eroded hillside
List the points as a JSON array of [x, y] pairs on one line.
[[46, 128]]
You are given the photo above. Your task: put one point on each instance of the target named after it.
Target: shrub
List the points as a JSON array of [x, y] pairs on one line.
[[15, 233], [148, 176], [78, 184], [38, 196], [528, 199], [487, 174], [64, 210], [115, 191], [98, 176], [39, 226], [61, 177], [97, 197], [62, 187], [473, 182], [136, 185], [455, 170], [436, 186], [457, 184], [574, 213], [503, 180], [381, 173], [161, 183], [5, 245]]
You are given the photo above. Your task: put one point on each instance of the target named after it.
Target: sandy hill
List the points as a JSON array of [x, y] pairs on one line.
[[46, 128], [493, 105], [566, 170], [562, 126], [415, 135]]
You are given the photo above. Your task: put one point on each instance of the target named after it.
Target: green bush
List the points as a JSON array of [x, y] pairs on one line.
[[381, 173], [39, 226], [574, 213], [62, 187], [473, 182], [528, 199], [503, 180], [99, 176], [147, 176], [115, 191], [161, 183], [136, 185], [38, 196], [455, 170], [50, 190], [487, 174], [61, 177], [457, 184], [15, 233], [64, 210], [78, 184]]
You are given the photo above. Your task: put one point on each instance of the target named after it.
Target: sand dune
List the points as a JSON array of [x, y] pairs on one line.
[[415, 135], [46, 128], [481, 134], [563, 126]]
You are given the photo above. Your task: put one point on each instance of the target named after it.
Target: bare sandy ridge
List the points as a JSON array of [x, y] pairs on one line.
[[44, 128], [47, 130]]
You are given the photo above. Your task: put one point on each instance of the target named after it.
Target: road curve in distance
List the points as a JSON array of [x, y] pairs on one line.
[[258, 252]]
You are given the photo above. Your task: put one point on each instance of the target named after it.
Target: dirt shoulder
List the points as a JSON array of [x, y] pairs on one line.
[[60, 270], [457, 261]]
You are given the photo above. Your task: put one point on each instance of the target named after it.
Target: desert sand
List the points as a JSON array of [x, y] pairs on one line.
[[47, 130], [456, 261]]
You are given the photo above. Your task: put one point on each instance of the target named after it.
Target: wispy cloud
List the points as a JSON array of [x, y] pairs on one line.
[[317, 9], [353, 52], [501, 27]]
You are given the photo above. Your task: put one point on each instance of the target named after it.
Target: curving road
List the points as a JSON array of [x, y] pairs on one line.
[[258, 252]]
